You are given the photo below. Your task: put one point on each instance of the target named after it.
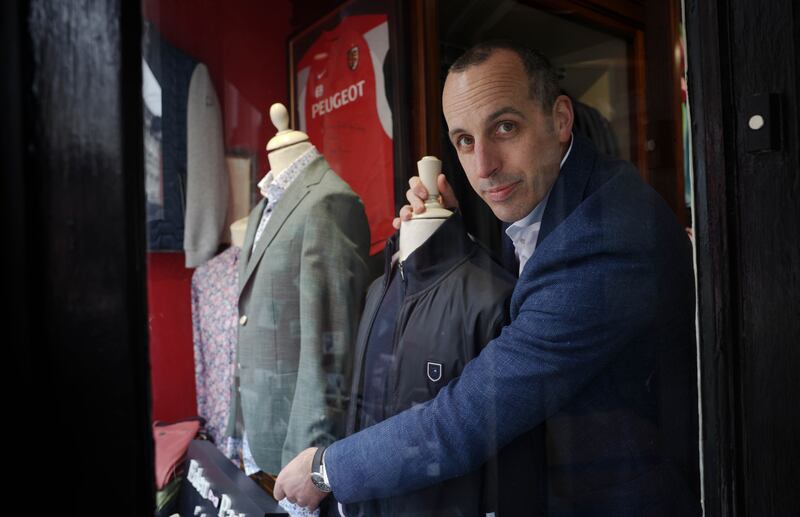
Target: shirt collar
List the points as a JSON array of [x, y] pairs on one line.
[[273, 183], [535, 215]]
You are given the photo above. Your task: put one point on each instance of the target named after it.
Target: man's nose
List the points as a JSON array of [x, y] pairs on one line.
[[487, 159]]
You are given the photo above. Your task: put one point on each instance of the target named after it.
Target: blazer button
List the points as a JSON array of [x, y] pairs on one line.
[[243, 320]]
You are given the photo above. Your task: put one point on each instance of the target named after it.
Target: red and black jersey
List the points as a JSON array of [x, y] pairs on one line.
[[342, 106]]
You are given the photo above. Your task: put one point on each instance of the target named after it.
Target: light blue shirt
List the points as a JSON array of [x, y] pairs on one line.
[[273, 186], [525, 232]]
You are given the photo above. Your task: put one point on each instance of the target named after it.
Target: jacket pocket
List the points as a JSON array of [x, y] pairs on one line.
[[266, 406]]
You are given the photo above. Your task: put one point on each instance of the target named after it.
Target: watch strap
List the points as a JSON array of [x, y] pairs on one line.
[[316, 463], [318, 476]]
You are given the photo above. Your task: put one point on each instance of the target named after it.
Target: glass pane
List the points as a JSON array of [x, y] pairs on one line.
[[524, 345]]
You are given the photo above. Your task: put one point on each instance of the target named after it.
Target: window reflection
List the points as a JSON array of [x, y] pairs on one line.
[[574, 385]]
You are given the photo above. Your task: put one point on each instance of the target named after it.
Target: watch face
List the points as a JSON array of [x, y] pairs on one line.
[[319, 482]]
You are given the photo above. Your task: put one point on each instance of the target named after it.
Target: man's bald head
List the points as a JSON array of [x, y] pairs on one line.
[[542, 77]]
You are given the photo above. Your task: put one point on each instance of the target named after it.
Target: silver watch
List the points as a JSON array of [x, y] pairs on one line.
[[318, 474]]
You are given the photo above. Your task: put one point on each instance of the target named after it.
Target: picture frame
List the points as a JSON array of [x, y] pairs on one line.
[[345, 92]]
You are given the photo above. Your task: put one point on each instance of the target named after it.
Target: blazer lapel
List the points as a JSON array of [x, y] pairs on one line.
[[290, 200], [250, 232], [568, 190]]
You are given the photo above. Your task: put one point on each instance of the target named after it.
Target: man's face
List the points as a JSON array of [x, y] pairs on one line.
[[509, 147]]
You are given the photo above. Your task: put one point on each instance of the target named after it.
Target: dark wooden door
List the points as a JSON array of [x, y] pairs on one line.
[[748, 254], [78, 437]]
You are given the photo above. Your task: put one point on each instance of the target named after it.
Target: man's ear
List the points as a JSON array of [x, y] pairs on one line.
[[563, 117]]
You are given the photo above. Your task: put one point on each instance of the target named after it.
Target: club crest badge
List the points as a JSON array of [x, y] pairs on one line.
[[434, 371], [352, 57]]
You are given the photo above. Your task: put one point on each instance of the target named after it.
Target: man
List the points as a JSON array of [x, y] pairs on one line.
[[600, 347]]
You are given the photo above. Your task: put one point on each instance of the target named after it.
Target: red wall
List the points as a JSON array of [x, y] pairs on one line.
[[243, 43], [171, 352]]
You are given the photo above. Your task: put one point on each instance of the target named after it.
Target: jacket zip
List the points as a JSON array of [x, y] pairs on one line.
[[391, 385], [391, 394]]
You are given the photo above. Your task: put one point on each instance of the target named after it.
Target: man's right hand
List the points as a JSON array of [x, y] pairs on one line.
[[417, 193]]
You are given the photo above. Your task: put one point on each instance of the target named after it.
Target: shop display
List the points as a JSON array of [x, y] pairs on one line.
[[186, 182], [273, 316], [302, 273]]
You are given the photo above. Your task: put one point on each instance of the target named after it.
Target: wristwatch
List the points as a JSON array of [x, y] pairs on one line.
[[318, 475]]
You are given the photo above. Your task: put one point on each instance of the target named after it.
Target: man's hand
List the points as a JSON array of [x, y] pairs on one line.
[[294, 482], [417, 192]]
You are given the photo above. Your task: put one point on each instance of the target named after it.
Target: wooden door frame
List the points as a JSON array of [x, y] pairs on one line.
[[74, 193], [746, 239]]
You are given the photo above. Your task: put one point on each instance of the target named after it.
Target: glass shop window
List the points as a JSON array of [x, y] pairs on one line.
[[525, 346]]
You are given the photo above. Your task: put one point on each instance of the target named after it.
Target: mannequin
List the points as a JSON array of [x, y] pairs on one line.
[[238, 229], [288, 144], [421, 226], [282, 149], [295, 331]]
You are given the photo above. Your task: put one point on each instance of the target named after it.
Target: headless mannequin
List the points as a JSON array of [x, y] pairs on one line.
[[238, 229], [420, 227], [288, 144], [282, 149]]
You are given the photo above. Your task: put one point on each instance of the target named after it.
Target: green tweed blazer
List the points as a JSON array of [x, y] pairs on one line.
[[300, 297]]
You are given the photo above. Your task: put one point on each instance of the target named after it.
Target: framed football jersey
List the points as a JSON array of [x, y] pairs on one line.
[[342, 97]]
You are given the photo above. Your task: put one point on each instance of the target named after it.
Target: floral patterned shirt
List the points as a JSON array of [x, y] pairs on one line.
[[214, 327]]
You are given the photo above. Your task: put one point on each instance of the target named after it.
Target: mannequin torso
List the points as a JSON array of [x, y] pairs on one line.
[[238, 229], [415, 232]]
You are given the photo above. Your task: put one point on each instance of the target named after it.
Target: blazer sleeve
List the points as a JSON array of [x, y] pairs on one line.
[[588, 292], [206, 176], [333, 277]]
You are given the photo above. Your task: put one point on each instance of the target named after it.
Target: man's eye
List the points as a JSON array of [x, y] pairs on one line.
[[506, 127], [463, 141]]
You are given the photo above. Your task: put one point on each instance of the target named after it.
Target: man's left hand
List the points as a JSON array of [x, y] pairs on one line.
[[294, 482]]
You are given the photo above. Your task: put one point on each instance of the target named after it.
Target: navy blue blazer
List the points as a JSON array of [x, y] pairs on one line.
[[599, 353]]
